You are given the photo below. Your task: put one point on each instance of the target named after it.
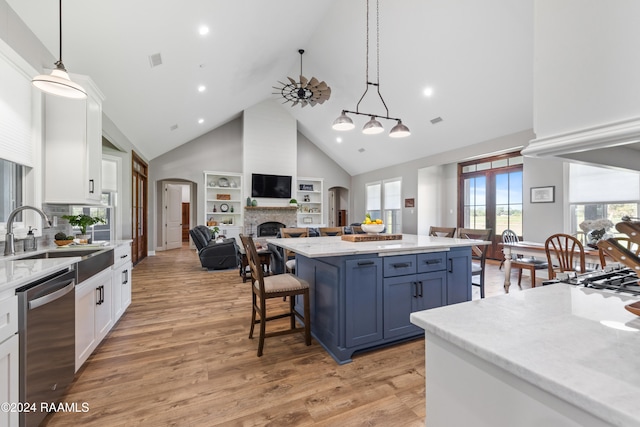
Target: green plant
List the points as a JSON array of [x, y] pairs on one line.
[[83, 221], [215, 231], [293, 201]]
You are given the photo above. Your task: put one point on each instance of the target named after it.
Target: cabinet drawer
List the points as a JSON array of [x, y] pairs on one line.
[[436, 261], [8, 317], [121, 254], [399, 265]]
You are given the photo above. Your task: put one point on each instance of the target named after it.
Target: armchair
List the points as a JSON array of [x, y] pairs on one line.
[[214, 255]]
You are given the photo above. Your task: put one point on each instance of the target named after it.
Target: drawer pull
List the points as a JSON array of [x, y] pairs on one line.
[[365, 262], [433, 261], [401, 265]]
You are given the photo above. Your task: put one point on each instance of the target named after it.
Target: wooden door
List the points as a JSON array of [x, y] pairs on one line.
[[185, 222], [173, 216], [139, 177]]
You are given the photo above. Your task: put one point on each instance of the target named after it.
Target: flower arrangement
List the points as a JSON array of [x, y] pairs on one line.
[[595, 224]]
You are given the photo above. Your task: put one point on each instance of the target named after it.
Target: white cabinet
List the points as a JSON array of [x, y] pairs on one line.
[[9, 352], [121, 281], [310, 202], [94, 315], [224, 203], [73, 147]]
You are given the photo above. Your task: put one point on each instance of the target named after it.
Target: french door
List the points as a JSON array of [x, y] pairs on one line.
[[139, 176], [490, 196]]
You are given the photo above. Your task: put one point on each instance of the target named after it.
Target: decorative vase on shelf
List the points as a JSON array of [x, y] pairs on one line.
[[248, 201], [254, 202]]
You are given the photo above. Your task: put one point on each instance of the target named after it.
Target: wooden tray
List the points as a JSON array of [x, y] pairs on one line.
[[370, 237], [634, 308]]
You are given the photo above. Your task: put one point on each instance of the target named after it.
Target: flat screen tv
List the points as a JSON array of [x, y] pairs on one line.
[[270, 186]]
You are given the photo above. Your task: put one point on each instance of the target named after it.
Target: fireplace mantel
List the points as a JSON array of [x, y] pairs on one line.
[[271, 208]]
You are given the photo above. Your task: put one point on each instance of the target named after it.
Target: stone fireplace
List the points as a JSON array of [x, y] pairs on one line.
[[257, 215]]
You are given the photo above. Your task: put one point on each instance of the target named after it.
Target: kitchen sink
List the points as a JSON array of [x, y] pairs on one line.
[[92, 260]]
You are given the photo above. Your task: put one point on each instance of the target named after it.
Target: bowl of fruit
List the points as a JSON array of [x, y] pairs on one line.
[[372, 225], [62, 239]]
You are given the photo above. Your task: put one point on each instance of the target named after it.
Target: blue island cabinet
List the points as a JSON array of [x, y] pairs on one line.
[[360, 302]]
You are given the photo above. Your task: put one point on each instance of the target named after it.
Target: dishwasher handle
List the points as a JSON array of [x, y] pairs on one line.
[[38, 302]]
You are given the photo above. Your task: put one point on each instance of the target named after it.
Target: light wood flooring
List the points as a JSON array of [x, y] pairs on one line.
[[180, 356]]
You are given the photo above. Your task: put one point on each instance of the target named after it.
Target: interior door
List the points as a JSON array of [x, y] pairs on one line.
[[173, 216], [138, 209]]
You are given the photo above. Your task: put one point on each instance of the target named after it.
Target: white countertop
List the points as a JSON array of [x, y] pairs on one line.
[[560, 338], [16, 272], [314, 247]]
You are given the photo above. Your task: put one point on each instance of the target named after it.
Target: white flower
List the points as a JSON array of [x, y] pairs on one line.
[[595, 224]]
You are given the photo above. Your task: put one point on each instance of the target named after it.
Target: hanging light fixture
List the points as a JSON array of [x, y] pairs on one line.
[[373, 126], [58, 82], [306, 91]]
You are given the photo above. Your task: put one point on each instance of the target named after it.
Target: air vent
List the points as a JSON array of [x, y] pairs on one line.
[[361, 150], [155, 60], [174, 127], [436, 120]]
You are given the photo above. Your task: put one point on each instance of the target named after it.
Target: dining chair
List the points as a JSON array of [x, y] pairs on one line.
[[289, 256], [442, 231], [478, 253], [331, 231], [276, 286], [566, 251], [520, 262]]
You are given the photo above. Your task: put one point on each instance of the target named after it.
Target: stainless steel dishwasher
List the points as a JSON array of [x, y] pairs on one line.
[[46, 325]]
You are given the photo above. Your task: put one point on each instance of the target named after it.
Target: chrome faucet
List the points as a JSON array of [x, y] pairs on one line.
[[9, 244]]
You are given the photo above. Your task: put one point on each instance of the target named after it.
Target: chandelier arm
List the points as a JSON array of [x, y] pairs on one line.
[[371, 115], [60, 29]]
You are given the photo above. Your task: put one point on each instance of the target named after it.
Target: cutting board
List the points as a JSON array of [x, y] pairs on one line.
[[370, 237]]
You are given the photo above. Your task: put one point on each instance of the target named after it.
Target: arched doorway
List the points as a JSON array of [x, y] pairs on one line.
[[338, 207]]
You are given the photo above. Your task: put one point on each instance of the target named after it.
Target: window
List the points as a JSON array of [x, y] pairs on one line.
[[11, 189], [490, 195], [100, 232], [384, 201], [601, 193]]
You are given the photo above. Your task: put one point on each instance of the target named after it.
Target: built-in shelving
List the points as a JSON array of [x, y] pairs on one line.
[[224, 202], [309, 194]]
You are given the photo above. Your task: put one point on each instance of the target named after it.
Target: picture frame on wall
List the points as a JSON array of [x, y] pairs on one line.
[[543, 194]]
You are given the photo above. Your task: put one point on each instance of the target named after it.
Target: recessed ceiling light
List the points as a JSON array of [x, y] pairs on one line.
[[201, 121], [428, 91], [339, 140], [203, 30], [202, 88]]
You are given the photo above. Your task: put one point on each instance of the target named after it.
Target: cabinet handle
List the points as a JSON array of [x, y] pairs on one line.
[[124, 256], [450, 265], [91, 186], [99, 291], [125, 274], [401, 265], [433, 261], [365, 262], [420, 294], [415, 289]]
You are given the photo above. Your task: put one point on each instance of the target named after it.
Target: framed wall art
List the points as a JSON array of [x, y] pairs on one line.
[[543, 194]]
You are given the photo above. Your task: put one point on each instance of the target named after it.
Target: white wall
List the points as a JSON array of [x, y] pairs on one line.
[[587, 64]]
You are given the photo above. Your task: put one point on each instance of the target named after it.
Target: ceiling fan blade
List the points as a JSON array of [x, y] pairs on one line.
[[294, 103], [313, 82], [303, 81], [293, 82], [312, 102], [322, 86]]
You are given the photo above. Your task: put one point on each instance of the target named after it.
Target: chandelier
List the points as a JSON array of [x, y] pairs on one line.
[[58, 82], [306, 91], [373, 126]]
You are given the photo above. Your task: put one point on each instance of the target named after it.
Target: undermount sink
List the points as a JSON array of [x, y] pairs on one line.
[[62, 254], [92, 260]]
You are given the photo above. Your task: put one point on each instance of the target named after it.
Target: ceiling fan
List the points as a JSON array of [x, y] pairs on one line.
[[306, 91]]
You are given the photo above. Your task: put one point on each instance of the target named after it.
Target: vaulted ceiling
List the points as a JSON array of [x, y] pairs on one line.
[[476, 56]]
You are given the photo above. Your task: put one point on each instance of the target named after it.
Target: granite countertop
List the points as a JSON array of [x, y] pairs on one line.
[[578, 344], [315, 247], [16, 272]]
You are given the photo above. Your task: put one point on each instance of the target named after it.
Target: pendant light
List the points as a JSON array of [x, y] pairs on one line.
[[58, 82], [373, 126]]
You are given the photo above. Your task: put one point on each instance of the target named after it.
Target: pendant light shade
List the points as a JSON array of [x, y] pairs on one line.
[[372, 127], [343, 122], [58, 82], [399, 131]]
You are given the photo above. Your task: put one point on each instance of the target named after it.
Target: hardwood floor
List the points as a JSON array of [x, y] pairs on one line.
[[180, 356]]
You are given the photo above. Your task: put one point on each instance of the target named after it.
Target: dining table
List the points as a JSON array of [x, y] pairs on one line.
[[537, 250]]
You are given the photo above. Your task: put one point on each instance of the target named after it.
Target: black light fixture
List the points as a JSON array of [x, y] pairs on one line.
[[306, 91], [58, 82], [373, 126]]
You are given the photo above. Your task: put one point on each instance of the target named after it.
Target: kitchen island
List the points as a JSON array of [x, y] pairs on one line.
[[361, 293], [558, 355]]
